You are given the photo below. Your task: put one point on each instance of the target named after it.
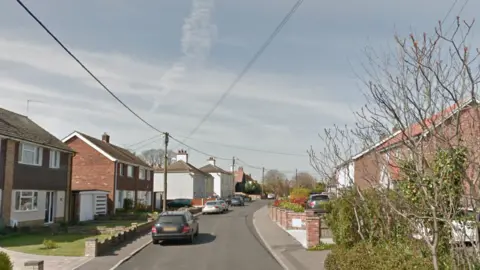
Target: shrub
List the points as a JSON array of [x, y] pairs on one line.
[[5, 262], [367, 256], [300, 193], [299, 201], [49, 244], [292, 206], [127, 204]]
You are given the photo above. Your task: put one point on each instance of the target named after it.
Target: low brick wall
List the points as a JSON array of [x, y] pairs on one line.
[[200, 202], [94, 248], [309, 221]]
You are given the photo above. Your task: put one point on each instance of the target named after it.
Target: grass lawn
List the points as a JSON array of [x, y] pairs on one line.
[[68, 244]]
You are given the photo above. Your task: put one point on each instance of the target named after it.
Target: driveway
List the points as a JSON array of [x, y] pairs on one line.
[[226, 241]]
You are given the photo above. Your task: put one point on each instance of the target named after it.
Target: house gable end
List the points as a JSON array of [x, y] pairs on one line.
[[76, 135]]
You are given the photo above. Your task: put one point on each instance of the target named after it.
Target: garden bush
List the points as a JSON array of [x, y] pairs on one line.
[[300, 193], [127, 204], [5, 262], [367, 256], [292, 206]]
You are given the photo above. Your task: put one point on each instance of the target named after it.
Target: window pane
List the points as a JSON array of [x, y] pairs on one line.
[[28, 157], [38, 156], [27, 193], [35, 200], [28, 147], [26, 203]]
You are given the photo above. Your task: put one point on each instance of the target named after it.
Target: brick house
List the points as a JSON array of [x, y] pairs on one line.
[[241, 178], [102, 166], [378, 164], [35, 173]]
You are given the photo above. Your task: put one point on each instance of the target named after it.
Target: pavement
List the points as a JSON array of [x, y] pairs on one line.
[[50, 262], [285, 248], [226, 241]]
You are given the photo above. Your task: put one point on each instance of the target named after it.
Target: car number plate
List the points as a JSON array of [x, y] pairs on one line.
[[169, 229]]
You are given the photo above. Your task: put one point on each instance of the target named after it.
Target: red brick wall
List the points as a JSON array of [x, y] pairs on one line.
[[293, 215], [92, 170], [367, 170]]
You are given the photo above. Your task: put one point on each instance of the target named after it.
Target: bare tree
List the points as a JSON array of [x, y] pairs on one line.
[[276, 182], [421, 114], [155, 157], [304, 180]]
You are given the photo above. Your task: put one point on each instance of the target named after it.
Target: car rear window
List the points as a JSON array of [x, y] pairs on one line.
[[319, 198], [175, 219], [221, 201], [211, 203]]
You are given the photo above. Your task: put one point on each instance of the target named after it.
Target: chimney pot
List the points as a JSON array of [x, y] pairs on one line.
[[106, 137]]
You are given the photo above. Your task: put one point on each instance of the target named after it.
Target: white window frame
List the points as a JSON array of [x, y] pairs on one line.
[[141, 173], [33, 196], [55, 159], [130, 171], [121, 170], [37, 154]]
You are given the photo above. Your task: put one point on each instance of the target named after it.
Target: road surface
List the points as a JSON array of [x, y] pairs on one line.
[[226, 241]]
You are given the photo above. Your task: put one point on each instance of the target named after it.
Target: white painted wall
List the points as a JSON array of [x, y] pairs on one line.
[[227, 185], [217, 183], [180, 185], [39, 214], [346, 175]]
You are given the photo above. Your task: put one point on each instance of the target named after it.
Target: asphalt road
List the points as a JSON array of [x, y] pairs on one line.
[[226, 241]]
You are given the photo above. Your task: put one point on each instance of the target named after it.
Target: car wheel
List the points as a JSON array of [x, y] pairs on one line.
[[155, 242], [191, 239]]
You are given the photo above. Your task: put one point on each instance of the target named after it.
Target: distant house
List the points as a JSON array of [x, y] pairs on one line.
[[222, 180], [35, 171], [102, 166], [184, 181], [241, 178]]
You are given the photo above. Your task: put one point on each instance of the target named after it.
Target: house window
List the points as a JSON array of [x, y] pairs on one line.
[[149, 173], [142, 174], [30, 154], [120, 169], [130, 171], [26, 200], [54, 159]]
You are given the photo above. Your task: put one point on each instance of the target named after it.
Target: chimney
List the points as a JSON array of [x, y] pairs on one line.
[[240, 169], [106, 137], [182, 155], [211, 160]]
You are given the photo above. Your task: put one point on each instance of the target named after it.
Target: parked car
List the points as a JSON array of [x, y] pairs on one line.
[[175, 225], [228, 200], [271, 196], [464, 228], [179, 203], [213, 207], [317, 202], [237, 201], [224, 205]]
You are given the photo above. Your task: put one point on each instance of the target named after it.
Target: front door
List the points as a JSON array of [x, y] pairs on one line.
[[49, 207]]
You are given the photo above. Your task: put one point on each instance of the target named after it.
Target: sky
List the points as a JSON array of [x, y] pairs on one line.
[[171, 61]]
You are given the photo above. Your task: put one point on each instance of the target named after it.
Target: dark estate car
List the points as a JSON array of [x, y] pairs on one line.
[[237, 201], [179, 203], [175, 225]]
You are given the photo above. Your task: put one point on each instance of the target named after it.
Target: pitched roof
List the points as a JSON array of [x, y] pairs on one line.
[[112, 151], [182, 167], [20, 127], [239, 176], [417, 128], [209, 168]]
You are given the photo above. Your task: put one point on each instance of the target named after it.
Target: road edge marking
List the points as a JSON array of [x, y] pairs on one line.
[[136, 251], [269, 248]]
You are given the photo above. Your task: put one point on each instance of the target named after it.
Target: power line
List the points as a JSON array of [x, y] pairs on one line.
[[198, 151], [151, 139], [248, 66], [84, 67]]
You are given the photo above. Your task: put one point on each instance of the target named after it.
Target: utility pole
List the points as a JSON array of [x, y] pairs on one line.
[[233, 173], [165, 173], [263, 180], [296, 177]]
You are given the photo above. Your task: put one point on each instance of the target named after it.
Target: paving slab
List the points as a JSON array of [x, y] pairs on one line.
[[50, 262]]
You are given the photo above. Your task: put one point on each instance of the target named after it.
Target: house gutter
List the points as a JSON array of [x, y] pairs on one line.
[[115, 178]]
